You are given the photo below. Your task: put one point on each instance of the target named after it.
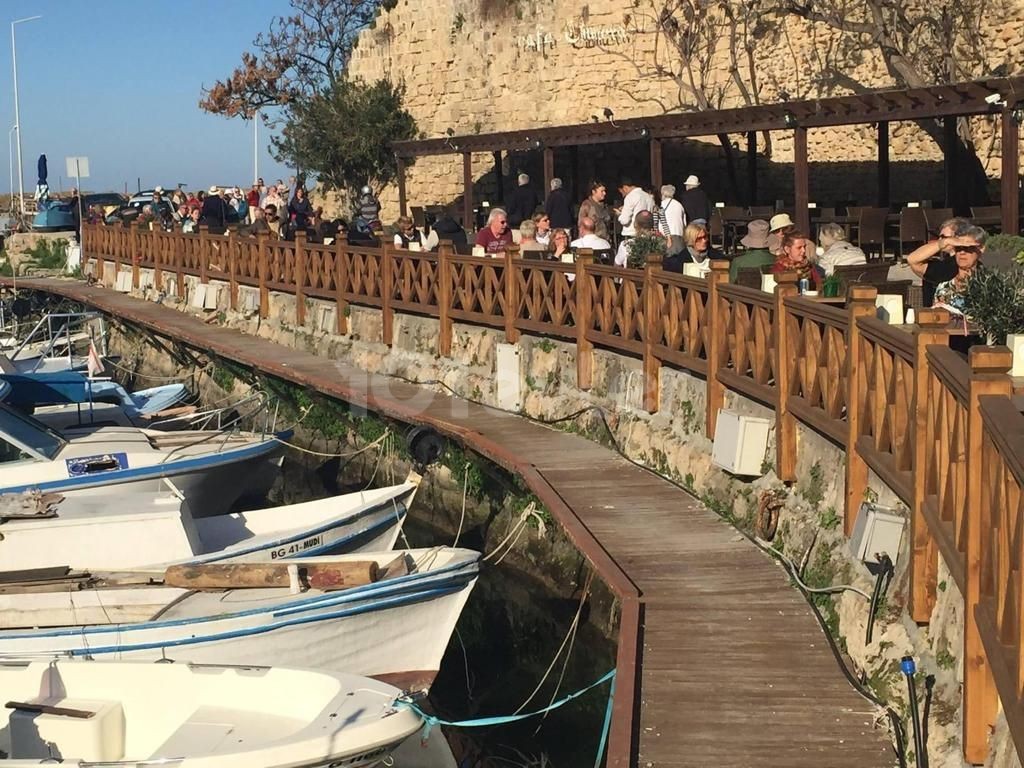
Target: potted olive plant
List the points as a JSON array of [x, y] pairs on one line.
[[994, 301], [641, 249]]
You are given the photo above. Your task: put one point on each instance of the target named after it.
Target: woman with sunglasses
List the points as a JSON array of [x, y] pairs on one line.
[[967, 249]]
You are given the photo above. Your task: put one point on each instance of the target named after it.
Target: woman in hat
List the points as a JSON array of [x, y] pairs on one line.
[[756, 254], [779, 226]]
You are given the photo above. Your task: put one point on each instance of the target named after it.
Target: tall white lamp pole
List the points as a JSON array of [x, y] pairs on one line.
[[256, 146], [17, 114], [10, 159]]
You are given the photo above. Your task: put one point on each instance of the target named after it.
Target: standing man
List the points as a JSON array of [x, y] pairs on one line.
[[634, 200], [522, 202], [558, 208], [695, 201]]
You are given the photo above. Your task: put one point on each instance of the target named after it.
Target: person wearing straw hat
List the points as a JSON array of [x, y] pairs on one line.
[[756, 254], [779, 226], [695, 201], [215, 211]]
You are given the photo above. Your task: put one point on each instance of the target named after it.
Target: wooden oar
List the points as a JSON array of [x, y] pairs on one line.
[[325, 576]]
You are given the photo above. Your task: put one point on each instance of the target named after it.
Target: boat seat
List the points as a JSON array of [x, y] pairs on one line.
[[83, 729]]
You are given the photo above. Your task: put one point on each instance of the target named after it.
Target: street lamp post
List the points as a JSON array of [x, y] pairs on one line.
[[17, 115], [10, 159], [255, 146]]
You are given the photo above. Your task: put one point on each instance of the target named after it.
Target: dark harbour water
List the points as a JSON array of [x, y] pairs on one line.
[[508, 634]]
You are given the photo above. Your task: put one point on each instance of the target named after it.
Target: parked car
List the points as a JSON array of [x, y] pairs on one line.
[[107, 201]]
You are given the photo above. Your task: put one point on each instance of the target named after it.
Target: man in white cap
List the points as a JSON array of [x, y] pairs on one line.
[[695, 201], [779, 226]]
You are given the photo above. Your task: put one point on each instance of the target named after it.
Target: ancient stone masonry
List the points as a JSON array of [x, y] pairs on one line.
[[477, 66]]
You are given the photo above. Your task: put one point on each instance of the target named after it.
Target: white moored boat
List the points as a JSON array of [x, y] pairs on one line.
[[119, 531], [394, 628], [80, 713], [211, 469]]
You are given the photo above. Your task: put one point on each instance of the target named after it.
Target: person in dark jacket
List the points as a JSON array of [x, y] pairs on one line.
[[447, 228], [214, 213], [522, 203], [558, 207], [300, 210], [695, 202]]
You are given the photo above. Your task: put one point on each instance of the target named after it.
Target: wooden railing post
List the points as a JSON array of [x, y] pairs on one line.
[[160, 246], [785, 422], [512, 264], [341, 283], [263, 268], [299, 275], [989, 367], [444, 298], [387, 268], [714, 334], [652, 363], [584, 308], [140, 238], [931, 329], [205, 246], [233, 269], [860, 302], [178, 258]]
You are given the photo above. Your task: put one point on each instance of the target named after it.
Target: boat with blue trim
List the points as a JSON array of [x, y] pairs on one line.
[[394, 628]]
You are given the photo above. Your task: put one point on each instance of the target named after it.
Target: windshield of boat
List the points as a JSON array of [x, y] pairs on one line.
[[23, 434]]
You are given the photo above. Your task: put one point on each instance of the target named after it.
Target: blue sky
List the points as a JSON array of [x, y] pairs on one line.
[[119, 82]]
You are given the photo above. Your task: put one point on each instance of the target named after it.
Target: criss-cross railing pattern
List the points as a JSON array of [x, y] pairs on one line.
[[364, 271], [478, 289], [748, 359], [545, 298], [281, 258], [884, 437], [679, 320], [247, 261], [617, 308], [191, 254], [817, 381], [414, 282], [320, 271]]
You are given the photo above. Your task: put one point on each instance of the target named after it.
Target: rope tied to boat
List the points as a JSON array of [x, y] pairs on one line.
[[431, 721], [509, 542]]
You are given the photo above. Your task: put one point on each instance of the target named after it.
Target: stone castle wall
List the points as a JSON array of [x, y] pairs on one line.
[[480, 66]]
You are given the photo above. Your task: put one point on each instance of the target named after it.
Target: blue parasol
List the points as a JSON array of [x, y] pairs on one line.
[[42, 170]]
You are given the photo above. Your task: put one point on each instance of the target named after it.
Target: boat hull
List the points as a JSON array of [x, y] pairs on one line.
[[394, 630]]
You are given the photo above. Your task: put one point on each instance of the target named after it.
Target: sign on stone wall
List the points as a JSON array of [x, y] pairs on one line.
[[576, 34]]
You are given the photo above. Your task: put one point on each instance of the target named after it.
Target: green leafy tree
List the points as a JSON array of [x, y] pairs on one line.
[[343, 135]]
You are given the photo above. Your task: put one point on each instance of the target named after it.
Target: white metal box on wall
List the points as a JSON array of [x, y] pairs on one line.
[[877, 530], [508, 380], [740, 442]]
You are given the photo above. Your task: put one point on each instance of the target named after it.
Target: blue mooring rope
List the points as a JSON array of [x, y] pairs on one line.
[[429, 721]]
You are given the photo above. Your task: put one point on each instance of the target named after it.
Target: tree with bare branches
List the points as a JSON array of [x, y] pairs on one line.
[[302, 54]]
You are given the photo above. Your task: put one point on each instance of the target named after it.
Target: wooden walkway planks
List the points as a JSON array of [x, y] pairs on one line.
[[734, 670]]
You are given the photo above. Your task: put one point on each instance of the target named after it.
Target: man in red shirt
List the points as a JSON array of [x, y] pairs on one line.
[[253, 199], [496, 235]]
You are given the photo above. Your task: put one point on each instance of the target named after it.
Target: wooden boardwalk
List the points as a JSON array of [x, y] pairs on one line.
[[721, 662]]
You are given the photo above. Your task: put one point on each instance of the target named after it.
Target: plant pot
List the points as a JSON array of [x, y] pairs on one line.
[[1015, 341]]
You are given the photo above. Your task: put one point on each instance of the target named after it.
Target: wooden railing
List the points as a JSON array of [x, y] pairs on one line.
[[941, 432]]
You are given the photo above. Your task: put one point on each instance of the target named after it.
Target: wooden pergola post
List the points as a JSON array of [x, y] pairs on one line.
[[656, 164], [402, 211], [499, 177], [467, 192], [801, 177], [549, 170], [574, 165], [1010, 196], [949, 140], [883, 163], [751, 167]]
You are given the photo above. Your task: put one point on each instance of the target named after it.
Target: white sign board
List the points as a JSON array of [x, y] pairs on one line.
[[78, 167]]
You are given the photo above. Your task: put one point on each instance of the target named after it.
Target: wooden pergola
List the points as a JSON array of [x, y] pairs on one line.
[[997, 96]]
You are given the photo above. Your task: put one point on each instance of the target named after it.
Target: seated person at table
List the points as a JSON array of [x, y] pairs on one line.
[[446, 228], [934, 262], [528, 241], [793, 258], [838, 252], [967, 250], [756, 254], [559, 245], [496, 236], [406, 232], [698, 250], [779, 226], [588, 237], [643, 224]]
